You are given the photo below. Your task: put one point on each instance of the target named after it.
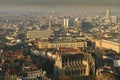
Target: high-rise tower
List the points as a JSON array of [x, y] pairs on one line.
[[107, 17], [76, 22], [66, 23], [49, 28], [108, 14]]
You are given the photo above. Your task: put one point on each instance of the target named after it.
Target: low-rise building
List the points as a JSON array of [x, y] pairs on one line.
[[65, 43], [108, 44]]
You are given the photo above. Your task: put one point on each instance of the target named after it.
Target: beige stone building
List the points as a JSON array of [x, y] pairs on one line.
[[80, 64], [108, 44], [69, 44]]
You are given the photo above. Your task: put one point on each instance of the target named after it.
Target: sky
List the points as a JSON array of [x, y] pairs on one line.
[[60, 4]]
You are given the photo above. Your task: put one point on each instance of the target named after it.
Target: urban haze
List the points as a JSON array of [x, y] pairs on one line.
[[59, 39]]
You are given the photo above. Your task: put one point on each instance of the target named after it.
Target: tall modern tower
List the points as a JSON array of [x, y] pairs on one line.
[[76, 22], [49, 28], [108, 14], [66, 23]]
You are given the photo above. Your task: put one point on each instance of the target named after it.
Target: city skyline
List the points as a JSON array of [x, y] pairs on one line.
[[57, 5]]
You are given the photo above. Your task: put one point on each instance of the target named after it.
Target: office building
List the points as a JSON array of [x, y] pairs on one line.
[[64, 43], [107, 17], [108, 44], [77, 23], [66, 23], [108, 14], [114, 19]]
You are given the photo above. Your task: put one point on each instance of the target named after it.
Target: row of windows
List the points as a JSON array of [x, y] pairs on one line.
[[79, 44], [72, 63], [66, 45], [62, 45], [117, 63], [35, 74], [75, 72], [72, 60]]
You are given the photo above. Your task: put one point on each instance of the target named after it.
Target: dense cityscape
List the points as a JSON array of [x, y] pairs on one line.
[[59, 40], [47, 45]]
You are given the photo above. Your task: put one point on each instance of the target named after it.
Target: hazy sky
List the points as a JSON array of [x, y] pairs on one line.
[[54, 4]]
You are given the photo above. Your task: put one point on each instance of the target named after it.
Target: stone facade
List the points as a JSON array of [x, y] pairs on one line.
[[69, 44], [74, 64]]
